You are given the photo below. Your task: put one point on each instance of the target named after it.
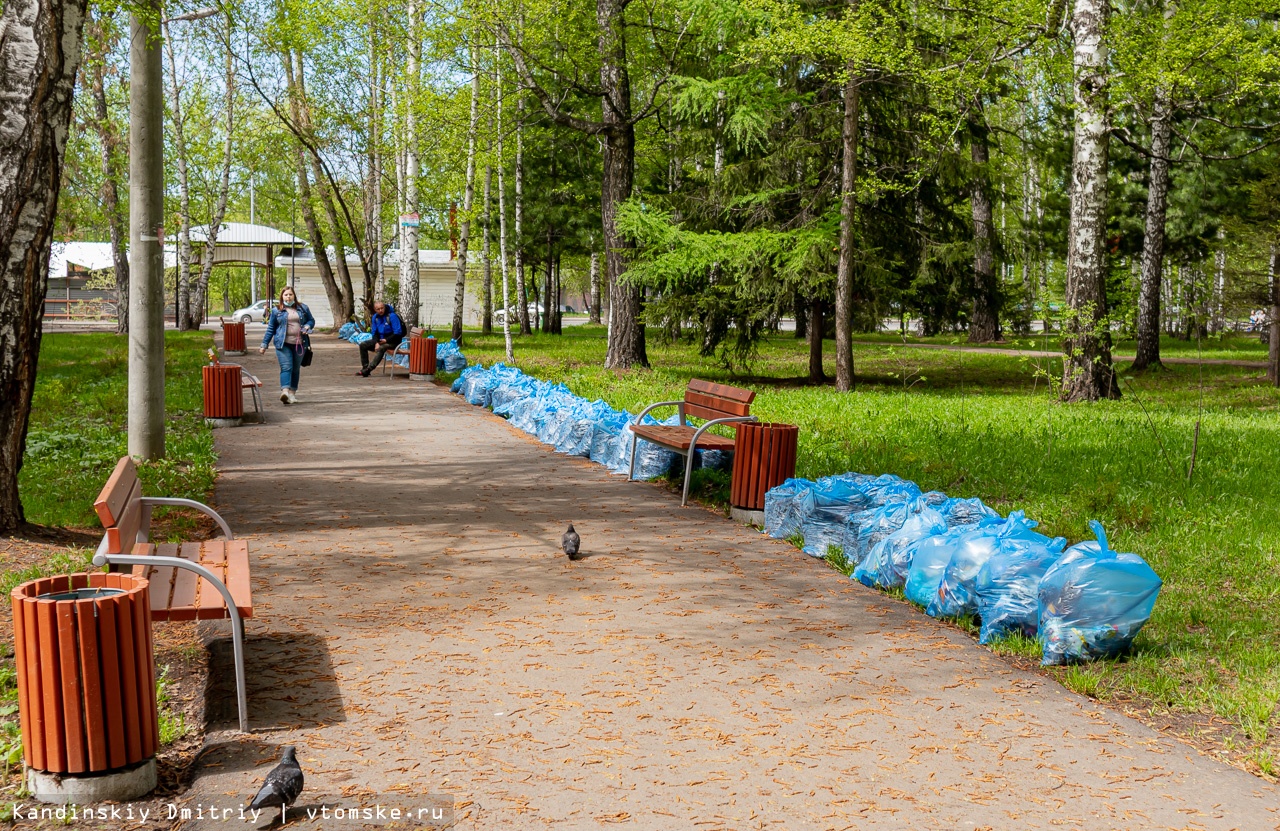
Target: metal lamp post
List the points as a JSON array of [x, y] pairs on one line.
[[146, 231]]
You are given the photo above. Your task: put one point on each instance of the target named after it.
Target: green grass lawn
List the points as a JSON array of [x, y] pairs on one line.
[[989, 426], [79, 426]]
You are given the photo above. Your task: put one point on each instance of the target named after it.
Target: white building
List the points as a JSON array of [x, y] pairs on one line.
[[437, 273]]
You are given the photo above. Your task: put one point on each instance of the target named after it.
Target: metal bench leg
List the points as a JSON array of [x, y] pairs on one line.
[[237, 624], [688, 472], [631, 473]]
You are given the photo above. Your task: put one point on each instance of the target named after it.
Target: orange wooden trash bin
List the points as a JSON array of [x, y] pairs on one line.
[[86, 672], [223, 399], [764, 455], [232, 337], [422, 359]]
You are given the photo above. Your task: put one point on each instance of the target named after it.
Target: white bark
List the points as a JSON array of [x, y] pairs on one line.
[[468, 201], [409, 301], [502, 216]]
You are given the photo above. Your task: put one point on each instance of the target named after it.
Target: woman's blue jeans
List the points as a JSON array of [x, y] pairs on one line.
[[290, 366]]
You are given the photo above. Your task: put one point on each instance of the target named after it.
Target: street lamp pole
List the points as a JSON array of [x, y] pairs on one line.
[[146, 236]]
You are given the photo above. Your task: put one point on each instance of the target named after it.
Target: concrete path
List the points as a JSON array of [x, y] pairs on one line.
[[417, 631]]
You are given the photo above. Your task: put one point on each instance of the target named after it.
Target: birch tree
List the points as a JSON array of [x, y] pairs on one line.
[[38, 66], [468, 199]]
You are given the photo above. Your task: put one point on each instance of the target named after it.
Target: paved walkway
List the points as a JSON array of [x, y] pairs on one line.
[[418, 631]]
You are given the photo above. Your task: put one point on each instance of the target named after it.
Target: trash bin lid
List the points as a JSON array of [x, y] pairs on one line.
[[81, 594]]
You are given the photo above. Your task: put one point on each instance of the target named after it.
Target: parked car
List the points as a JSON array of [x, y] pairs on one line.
[[534, 309], [258, 311]]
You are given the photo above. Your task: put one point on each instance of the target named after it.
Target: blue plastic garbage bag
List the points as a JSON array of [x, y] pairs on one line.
[[449, 356], [462, 379], [715, 459], [864, 530], [928, 559], [1006, 588], [652, 461], [887, 563], [1093, 601], [827, 506], [361, 337], [604, 439], [477, 386], [956, 596], [960, 512], [349, 331], [783, 509], [882, 490]]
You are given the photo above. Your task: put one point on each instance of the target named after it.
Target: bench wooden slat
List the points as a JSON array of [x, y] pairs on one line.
[[673, 435], [123, 534], [722, 390], [213, 556], [238, 575], [182, 605], [161, 577], [247, 381], [115, 495], [723, 406]]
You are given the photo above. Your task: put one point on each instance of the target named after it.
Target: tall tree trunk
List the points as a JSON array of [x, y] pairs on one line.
[[984, 326], [113, 171], [522, 289], [486, 321], [626, 329], [184, 318], [848, 215], [557, 325], [224, 186], [409, 286], [594, 314], [546, 286], [1153, 235], [468, 201], [373, 161], [502, 213], [1273, 343], [38, 67], [1087, 371], [817, 324], [314, 234]]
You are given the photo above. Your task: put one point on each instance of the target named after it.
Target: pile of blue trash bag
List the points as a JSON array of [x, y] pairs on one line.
[[957, 558], [354, 333], [570, 423]]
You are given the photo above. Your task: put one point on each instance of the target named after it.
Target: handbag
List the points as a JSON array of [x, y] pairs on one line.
[[306, 350]]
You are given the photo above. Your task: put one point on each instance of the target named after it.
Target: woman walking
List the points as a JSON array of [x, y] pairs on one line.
[[288, 322]]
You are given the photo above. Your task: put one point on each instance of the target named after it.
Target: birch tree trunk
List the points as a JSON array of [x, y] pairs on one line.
[[1153, 235], [594, 315], [113, 171], [502, 215], [984, 325], [409, 301], [314, 234], [468, 200], [1087, 371], [848, 214], [1273, 343], [522, 289], [224, 187], [486, 320], [183, 318], [373, 162], [38, 64]]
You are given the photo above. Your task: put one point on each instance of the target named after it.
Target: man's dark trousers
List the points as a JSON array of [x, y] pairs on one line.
[[381, 349]]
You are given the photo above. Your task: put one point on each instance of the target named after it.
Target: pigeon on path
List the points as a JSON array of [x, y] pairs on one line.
[[282, 785], [571, 543]]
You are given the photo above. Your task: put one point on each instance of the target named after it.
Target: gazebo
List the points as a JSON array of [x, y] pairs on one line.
[[243, 242]]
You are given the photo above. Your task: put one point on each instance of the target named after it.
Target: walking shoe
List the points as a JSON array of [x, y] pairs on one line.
[[284, 395], [293, 399]]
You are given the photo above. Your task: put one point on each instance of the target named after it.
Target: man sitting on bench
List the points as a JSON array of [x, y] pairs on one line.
[[388, 331]]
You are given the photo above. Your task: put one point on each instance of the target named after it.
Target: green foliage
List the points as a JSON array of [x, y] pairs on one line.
[[78, 429]]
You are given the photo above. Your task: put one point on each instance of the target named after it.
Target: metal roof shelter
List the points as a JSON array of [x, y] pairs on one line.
[[244, 242]]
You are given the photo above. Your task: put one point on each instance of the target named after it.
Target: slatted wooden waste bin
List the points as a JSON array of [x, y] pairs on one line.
[[86, 675], [422, 359], [764, 455], [232, 337], [223, 401]]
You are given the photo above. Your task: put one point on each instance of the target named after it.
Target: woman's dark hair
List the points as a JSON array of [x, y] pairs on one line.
[[280, 301]]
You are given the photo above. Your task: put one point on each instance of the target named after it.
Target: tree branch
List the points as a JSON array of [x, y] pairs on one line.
[[552, 107]]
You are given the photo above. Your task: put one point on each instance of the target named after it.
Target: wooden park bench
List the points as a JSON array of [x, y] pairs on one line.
[[402, 348], [713, 404], [190, 580]]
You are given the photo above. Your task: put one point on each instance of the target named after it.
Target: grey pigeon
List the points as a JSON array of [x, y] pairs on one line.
[[571, 543], [282, 785]]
